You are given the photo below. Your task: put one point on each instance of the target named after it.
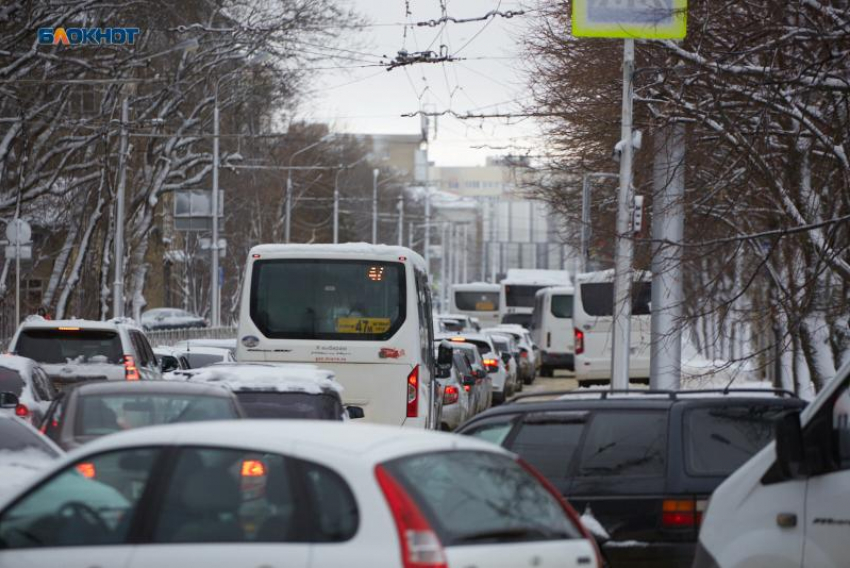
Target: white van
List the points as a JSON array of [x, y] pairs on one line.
[[478, 300], [789, 505], [517, 290], [362, 311], [552, 328], [593, 320]]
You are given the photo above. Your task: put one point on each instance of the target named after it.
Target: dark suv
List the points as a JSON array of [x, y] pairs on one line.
[[642, 463]]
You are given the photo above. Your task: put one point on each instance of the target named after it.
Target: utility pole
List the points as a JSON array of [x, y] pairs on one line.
[[375, 173], [668, 227], [443, 263], [621, 343], [585, 214], [401, 219], [118, 284], [336, 205], [465, 254], [214, 276], [410, 235]]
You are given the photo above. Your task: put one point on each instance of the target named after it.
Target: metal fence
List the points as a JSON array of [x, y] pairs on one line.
[[172, 336]]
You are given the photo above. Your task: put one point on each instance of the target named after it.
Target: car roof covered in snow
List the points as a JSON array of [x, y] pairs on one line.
[[274, 377]]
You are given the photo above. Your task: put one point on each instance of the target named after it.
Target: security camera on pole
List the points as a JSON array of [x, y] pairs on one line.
[[638, 19]]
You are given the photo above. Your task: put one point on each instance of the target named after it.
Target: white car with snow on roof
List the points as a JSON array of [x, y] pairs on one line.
[[76, 350], [269, 390], [362, 311]]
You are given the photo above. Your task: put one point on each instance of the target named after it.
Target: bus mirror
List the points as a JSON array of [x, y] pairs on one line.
[[355, 412]]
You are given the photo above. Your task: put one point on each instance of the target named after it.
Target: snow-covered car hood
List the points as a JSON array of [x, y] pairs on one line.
[[17, 469]]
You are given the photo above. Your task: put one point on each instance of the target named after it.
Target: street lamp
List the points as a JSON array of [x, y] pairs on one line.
[[288, 204]]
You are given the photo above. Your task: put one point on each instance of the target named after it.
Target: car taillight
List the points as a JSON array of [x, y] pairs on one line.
[[491, 364], [680, 513], [420, 545], [523, 354], [21, 411], [568, 509], [87, 470], [467, 388], [450, 395], [579, 344], [413, 393], [253, 468], [131, 372]]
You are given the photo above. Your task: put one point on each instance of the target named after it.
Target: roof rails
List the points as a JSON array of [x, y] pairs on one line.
[[672, 395]]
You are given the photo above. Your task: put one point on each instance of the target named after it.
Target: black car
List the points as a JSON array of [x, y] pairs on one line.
[[95, 409], [642, 463]]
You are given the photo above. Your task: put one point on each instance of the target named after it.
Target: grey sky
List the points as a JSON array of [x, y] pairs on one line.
[[371, 99]]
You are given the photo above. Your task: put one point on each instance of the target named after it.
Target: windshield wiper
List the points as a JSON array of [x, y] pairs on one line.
[[517, 534]]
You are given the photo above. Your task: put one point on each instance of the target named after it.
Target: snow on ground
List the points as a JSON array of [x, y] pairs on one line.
[[593, 525], [267, 377]]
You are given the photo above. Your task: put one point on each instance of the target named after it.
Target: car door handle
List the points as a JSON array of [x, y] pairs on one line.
[[786, 520]]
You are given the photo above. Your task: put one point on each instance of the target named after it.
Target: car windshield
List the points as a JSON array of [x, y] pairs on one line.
[[507, 503], [720, 439], [58, 346], [296, 405], [11, 381], [15, 437], [197, 360], [354, 300], [98, 415], [477, 301], [597, 298]]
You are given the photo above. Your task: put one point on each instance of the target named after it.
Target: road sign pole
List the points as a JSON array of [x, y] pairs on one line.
[[624, 248], [18, 282]]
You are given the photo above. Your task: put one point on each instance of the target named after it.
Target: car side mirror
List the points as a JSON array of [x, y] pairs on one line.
[[479, 373], [506, 357], [355, 412], [469, 380], [790, 452], [8, 400], [168, 364]]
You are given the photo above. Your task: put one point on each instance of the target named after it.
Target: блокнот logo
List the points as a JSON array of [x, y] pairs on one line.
[[87, 36]]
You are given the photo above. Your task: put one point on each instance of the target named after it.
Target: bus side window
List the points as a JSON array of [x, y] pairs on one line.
[[426, 329]]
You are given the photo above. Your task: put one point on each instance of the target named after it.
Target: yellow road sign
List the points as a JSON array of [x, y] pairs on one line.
[[634, 19]]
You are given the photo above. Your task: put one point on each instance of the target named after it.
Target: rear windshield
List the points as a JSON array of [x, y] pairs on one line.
[[11, 381], [54, 346], [197, 360], [15, 437], [597, 298], [483, 348], [625, 444], [477, 301], [521, 295], [328, 299], [718, 440], [562, 306], [501, 345], [506, 503], [98, 415], [296, 405], [521, 319]]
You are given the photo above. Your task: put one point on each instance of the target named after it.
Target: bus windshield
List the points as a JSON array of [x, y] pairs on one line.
[[483, 301], [598, 298], [357, 300], [521, 295]]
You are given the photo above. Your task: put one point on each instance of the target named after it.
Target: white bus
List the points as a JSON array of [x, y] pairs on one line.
[[362, 311], [516, 297], [478, 300], [593, 318]]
